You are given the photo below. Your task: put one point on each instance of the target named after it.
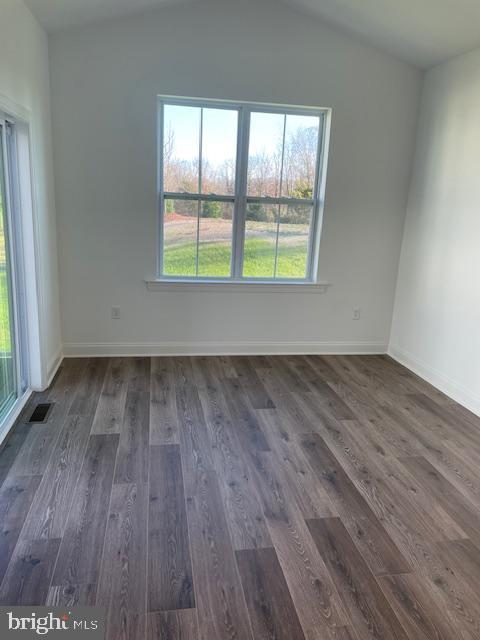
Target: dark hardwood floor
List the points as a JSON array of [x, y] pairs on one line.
[[232, 498]]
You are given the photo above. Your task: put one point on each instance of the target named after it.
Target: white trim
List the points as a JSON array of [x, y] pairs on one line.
[[11, 417], [29, 215], [13, 108], [321, 187], [447, 385], [53, 366], [240, 202], [79, 349], [16, 261], [241, 198], [269, 107], [38, 275], [194, 197], [238, 286]]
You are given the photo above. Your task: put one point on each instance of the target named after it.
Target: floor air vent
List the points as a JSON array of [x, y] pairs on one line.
[[41, 411]]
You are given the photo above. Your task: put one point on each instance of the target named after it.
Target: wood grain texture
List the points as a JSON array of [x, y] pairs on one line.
[[221, 607], [367, 606], [169, 564], [27, 579], [455, 504], [242, 507], [111, 403], [387, 486], [36, 451], [194, 438], [11, 446], [251, 383], [245, 518], [139, 370], [380, 552], [463, 558], [132, 457], [173, 625], [286, 401], [163, 410], [89, 387], [65, 388], [245, 498], [122, 586], [416, 608], [48, 516], [270, 605], [297, 478], [82, 543], [327, 402], [16, 496], [82, 595], [310, 584]]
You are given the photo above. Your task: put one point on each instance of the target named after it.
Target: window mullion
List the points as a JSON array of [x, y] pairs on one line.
[[273, 200], [314, 237], [239, 215], [210, 197], [160, 188], [199, 204], [280, 194]]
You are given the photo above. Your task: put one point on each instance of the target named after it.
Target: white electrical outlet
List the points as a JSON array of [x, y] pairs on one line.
[[115, 313], [357, 312]]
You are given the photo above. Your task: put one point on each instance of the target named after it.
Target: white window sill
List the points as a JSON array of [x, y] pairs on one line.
[[237, 286]]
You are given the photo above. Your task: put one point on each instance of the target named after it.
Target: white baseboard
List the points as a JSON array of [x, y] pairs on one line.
[[13, 415], [220, 348], [450, 387]]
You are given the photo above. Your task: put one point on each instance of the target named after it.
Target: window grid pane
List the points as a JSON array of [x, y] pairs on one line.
[[300, 155], [180, 235], [293, 241], [218, 151], [215, 239], [260, 241], [181, 143]]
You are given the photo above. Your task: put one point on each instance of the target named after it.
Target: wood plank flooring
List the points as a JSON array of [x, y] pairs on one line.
[[245, 498]]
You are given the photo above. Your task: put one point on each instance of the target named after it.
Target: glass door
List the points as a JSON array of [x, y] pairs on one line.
[[9, 348]]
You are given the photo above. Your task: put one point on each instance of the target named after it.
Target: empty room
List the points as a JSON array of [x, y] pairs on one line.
[[239, 319]]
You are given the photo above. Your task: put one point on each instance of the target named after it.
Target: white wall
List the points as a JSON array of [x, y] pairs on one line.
[[436, 325], [25, 90], [104, 84]]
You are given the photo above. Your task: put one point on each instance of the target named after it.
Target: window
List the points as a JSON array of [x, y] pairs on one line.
[[13, 336], [240, 190]]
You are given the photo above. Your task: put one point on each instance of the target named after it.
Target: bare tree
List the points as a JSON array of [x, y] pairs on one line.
[[168, 160], [299, 162], [292, 161]]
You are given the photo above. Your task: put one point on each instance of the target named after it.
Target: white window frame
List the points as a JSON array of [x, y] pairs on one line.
[[240, 199], [15, 267]]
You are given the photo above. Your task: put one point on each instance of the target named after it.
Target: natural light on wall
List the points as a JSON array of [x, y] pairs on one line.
[[240, 190]]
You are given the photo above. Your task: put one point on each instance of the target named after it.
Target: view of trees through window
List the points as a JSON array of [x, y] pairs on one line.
[[199, 184], [7, 370]]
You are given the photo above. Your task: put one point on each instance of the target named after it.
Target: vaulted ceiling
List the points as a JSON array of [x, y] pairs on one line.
[[422, 32], [55, 15]]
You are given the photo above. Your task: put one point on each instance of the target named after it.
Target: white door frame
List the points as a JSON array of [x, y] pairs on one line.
[[28, 228]]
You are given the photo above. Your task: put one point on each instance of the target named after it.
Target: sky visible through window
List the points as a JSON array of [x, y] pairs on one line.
[[266, 132]]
